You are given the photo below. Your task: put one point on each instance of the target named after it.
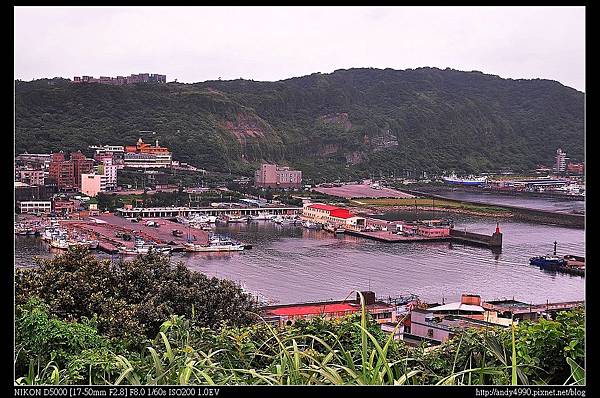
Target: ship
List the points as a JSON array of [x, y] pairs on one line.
[[547, 262], [453, 179], [216, 243]]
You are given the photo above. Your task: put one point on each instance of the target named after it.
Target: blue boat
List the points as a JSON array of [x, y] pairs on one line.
[[547, 262]]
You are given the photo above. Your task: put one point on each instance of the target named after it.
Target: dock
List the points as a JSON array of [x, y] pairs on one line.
[[387, 233], [108, 229], [494, 240], [391, 237]]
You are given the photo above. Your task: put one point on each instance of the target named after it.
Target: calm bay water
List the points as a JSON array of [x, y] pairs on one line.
[[291, 264], [538, 203]]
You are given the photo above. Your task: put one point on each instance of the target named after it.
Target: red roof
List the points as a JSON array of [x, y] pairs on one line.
[[316, 309], [324, 207], [340, 213]]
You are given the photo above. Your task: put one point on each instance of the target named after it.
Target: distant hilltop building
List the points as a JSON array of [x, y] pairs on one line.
[[144, 155], [274, 176], [122, 80]]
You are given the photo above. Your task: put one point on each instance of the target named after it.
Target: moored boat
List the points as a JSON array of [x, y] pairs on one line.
[[236, 219], [216, 243], [60, 243], [262, 216], [547, 262], [311, 225]]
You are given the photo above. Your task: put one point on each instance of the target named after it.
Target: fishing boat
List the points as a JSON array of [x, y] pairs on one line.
[[164, 249], [262, 216], [205, 227], [236, 219], [216, 243], [60, 242], [311, 225], [284, 220], [202, 219], [90, 244], [139, 247], [52, 232], [547, 262], [574, 261]]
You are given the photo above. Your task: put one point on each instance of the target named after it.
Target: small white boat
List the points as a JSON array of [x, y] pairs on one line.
[[202, 219], [90, 244], [285, 220], [216, 243], [311, 225], [236, 219], [205, 227], [60, 243], [263, 216]]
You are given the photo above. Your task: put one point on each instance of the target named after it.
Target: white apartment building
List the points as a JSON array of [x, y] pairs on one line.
[[35, 206]]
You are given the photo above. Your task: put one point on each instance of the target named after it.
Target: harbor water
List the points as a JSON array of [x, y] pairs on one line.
[[292, 264], [559, 205]]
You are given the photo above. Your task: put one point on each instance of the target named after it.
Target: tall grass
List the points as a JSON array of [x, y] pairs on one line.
[[179, 357]]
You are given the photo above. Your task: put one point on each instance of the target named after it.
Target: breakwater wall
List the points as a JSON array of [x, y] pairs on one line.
[[520, 213], [494, 240]]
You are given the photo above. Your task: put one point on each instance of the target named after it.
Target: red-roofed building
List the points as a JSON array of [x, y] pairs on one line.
[[287, 314], [338, 216]]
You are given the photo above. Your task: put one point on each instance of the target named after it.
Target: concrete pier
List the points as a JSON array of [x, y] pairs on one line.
[[494, 240], [109, 229]]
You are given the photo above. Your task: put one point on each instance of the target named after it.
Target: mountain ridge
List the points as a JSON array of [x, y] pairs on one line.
[[348, 122]]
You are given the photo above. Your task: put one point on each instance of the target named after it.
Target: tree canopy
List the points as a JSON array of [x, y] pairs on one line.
[[347, 123]]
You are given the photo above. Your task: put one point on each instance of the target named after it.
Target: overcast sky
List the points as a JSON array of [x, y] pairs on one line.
[[194, 44]]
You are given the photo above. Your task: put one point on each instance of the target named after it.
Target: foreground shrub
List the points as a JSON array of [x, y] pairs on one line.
[[131, 299]]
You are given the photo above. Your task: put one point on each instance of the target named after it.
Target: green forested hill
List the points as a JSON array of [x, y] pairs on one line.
[[348, 122]]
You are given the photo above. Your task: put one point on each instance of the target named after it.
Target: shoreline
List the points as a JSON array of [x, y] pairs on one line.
[[503, 214]]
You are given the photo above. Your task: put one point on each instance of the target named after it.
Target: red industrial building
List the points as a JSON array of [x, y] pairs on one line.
[[338, 216]]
